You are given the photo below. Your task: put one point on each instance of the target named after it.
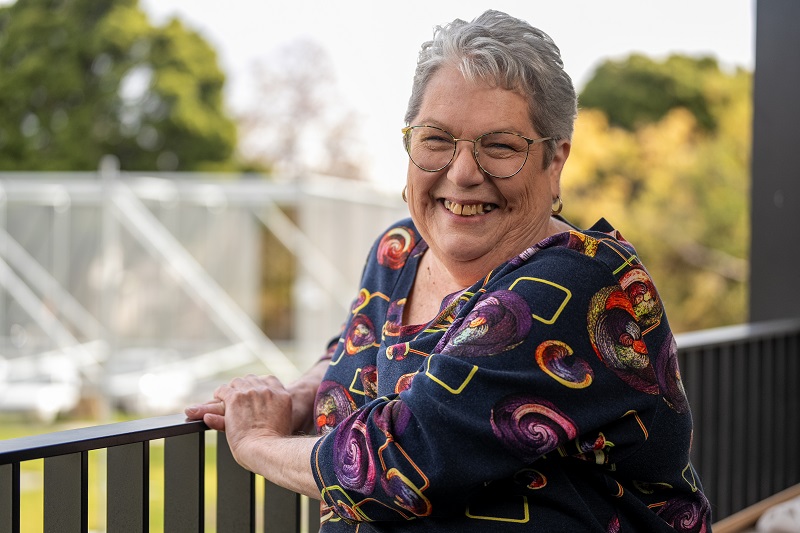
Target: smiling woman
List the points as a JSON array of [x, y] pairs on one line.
[[501, 369]]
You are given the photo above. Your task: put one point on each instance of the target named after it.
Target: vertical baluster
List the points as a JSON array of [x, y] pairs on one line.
[[184, 483], [725, 436], [65, 493], [313, 515], [281, 509], [9, 498], [236, 496], [741, 429], [128, 474]]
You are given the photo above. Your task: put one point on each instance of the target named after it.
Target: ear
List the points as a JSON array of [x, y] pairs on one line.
[[557, 165]]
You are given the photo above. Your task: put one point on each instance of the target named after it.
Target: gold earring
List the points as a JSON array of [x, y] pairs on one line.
[[403, 194], [556, 210]]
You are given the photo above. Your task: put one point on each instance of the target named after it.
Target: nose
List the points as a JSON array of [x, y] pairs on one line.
[[464, 170]]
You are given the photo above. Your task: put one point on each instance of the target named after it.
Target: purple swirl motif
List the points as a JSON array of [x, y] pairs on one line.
[[554, 358], [369, 381], [499, 321], [394, 247], [397, 352], [393, 417], [360, 335], [669, 376], [530, 427], [617, 339], [394, 318], [405, 494], [687, 514], [613, 525], [333, 404], [642, 292], [353, 463]]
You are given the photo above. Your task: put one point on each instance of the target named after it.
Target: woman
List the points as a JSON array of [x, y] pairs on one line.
[[500, 370]]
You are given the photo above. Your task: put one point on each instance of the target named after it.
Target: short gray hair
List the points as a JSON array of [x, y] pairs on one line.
[[509, 52]]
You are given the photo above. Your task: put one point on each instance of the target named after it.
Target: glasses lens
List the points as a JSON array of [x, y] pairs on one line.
[[430, 148], [502, 154]]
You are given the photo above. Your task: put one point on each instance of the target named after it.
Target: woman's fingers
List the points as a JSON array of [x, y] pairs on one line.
[[196, 412]]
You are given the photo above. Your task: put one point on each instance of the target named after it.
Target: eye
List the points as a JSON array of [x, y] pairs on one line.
[[626, 340], [433, 139], [502, 145]]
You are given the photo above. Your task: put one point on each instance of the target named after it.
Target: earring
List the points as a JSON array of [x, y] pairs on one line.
[[558, 205], [403, 194]]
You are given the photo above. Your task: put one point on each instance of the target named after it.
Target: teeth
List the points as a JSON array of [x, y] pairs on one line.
[[467, 210]]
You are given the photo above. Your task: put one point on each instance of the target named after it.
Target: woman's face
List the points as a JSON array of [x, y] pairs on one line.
[[516, 210]]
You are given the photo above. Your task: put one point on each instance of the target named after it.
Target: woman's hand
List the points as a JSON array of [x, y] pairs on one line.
[[256, 413], [250, 410]]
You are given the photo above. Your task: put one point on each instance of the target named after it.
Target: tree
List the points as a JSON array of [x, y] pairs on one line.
[[298, 123], [679, 192], [85, 78], [639, 90]]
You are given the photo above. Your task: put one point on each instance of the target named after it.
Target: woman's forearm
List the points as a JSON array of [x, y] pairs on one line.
[[285, 461]]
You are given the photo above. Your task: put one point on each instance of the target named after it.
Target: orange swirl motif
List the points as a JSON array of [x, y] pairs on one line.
[[395, 246]]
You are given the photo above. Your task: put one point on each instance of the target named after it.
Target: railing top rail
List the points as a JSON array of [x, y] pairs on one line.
[[738, 333], [96, 437]]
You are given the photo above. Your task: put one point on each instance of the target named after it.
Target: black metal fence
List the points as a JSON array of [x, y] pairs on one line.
[[742, 383], [65, 457]]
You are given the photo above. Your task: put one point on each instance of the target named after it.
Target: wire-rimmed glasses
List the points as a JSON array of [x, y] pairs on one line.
[[500, 154]]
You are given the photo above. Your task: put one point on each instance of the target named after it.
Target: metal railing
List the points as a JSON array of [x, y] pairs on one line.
[[742, 383], [66, 472]]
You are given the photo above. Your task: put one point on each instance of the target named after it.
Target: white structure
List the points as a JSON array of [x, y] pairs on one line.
[[149, 285]]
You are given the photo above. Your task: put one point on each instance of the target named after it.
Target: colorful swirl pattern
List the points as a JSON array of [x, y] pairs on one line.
[[333, 405], [642, 293], [530, 427], [395, 246], [553, 357], [360, 335], [352, 454], [669, 376], [405, 494], [687, 515], [369, 381], [617, 339], [498, 322], [394, 318]]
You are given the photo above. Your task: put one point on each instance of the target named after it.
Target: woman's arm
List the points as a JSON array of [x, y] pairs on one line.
[[259, 416], [256, 415]]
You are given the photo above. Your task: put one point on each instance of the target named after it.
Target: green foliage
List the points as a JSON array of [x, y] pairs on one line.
[[85, 78], [639, 90], [678, 191]]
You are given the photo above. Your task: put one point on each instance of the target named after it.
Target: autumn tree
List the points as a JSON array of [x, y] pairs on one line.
[[85, 78], [678, 190]]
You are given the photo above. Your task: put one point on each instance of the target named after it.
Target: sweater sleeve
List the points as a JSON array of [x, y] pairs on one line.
[[545, 360]]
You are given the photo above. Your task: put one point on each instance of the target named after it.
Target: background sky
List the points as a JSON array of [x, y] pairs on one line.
[[373, 45]]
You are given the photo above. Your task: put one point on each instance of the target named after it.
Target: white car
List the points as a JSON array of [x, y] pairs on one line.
[[44, 394]]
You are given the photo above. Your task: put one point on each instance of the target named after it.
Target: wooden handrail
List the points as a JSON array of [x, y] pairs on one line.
[[747, 517]]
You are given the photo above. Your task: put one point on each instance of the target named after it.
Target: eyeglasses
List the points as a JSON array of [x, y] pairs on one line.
[[500, 154]]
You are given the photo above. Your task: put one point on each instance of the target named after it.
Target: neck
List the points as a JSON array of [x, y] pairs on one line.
[[457, 275]]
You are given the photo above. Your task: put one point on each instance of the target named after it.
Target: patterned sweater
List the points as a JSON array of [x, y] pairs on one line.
[[546, 397]]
